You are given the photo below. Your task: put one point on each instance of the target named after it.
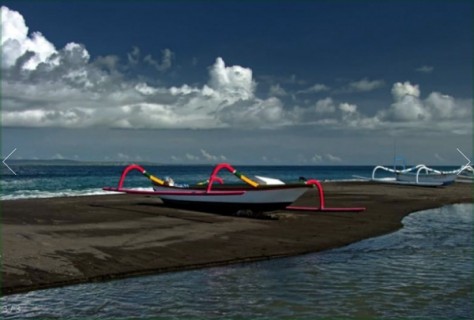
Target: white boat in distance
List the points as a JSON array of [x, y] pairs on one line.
[[420, 175], [429, 177], [467, 176]]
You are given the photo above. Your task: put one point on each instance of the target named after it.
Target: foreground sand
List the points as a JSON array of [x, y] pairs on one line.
[[54, 242]]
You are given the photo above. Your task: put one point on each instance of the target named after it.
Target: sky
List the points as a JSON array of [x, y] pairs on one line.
[[245, 82]]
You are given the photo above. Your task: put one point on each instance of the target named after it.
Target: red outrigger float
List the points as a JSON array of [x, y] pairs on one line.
[[261, 194]]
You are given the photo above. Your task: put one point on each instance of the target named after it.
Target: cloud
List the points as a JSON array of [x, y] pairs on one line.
[[333, 158], [316, 88], [323, 109], [58, 156], [317, 158], [347, 108], [166, 60], [191, 157], [400, 90], [365, 85], [324, 106], [425, 69], [210, 157], [277, 90], [233, 82], [17, 44], [123, 156], [409, 107], [327, 113], [45, 86], [134, 56], [291, 80]]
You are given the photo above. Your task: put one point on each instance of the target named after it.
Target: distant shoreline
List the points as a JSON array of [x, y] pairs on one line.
[[69, 162]]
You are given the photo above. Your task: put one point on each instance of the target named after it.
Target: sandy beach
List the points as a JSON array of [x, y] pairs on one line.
[[61, 241]]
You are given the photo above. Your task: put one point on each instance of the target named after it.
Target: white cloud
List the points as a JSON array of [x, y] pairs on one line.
[[442, 106], [17, 44], [316, 88], [425, 69], [234, 83], [277, 90], [324, 106], [58, 156], [191, 157], [409, 107], [333, 158], [329, 114], [211, 157], [166, 60], [134, 56], [123, 156], [74, 92], [348, 108], [400, 90], [323, 109], [317, 158], [254, 114], [48, 87], [365, 85]]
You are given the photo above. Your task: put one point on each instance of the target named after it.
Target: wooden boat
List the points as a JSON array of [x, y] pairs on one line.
[[259, 194]]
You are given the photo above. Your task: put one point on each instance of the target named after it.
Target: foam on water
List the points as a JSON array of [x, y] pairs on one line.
[[38, 194]]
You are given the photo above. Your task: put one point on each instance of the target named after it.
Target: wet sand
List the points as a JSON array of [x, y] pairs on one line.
[[61, 241]]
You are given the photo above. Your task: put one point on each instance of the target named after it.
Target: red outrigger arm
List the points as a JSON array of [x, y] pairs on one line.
[[183, 192], [214, 178], [322, 206]]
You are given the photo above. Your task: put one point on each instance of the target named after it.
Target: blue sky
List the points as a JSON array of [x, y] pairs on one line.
[[269, 82]]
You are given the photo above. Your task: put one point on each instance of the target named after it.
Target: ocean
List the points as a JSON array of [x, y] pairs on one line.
[[422, 271]]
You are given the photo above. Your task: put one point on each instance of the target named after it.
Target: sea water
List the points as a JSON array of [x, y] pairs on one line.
[[422, 271]]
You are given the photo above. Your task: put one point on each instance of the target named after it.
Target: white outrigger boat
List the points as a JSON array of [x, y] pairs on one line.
[[466, 176], [259, 194], [420, 175]]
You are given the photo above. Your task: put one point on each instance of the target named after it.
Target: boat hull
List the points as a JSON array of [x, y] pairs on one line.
[[440, 179], [255, 199], [465, 178]]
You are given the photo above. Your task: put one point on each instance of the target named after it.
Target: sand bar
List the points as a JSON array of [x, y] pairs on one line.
[[61, 241]]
